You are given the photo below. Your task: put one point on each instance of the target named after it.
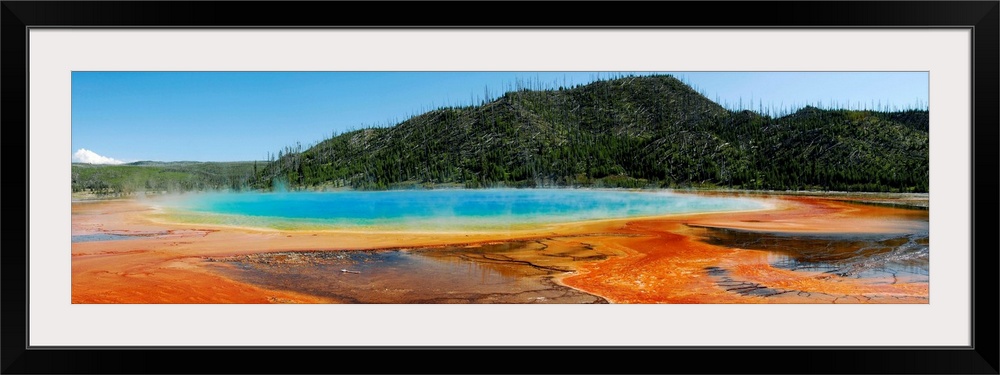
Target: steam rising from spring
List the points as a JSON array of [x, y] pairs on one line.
[[445, 210]]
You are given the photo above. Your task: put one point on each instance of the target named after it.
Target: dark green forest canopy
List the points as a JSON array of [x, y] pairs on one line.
[[150, 176], [635, 132]]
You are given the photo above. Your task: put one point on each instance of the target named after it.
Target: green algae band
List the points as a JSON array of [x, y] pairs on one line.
[[447, 209]]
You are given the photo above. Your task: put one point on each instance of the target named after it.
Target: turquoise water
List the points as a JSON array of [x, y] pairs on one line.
[[446, 209]]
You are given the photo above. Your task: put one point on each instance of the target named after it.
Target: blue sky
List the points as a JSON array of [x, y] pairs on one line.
[[229, 116]]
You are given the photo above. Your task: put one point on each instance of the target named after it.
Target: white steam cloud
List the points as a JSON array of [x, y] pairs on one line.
[[86, 156]]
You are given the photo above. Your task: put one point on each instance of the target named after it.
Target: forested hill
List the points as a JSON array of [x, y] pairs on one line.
[[627, 132]]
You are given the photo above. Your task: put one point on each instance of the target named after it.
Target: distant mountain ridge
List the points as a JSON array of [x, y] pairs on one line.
[[649, 131]]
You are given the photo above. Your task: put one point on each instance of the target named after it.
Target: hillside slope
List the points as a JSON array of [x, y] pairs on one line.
[[629, 132]]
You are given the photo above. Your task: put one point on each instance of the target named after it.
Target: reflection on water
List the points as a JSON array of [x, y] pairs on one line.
[[903, 257], [441, 275]]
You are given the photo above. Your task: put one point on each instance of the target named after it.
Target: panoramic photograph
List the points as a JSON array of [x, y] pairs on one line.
[[500, 188]]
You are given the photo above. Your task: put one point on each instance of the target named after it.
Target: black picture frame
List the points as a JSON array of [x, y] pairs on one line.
[[981, 17]]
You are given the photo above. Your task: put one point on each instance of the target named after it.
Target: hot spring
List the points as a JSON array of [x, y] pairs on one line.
[[440, 210]]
